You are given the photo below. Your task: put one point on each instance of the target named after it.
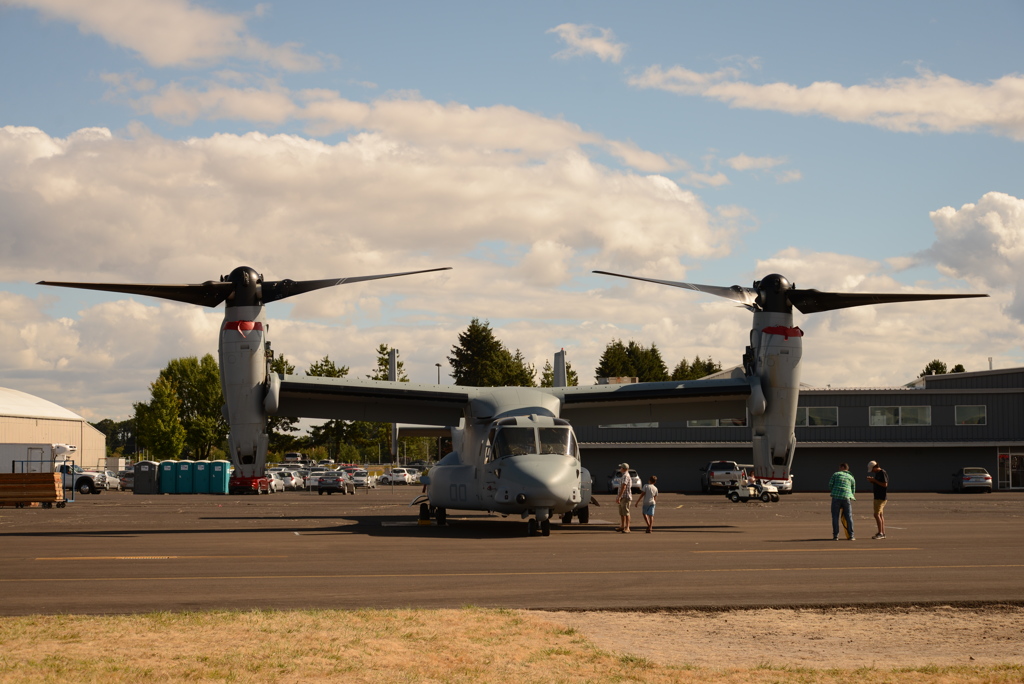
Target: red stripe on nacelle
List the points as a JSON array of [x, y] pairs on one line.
[[243, 326], [784, 331]]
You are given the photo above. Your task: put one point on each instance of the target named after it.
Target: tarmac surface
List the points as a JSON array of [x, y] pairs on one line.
[[120, 553]]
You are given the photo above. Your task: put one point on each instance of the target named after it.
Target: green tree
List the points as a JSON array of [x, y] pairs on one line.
[[934, 367], [120, 435], [958, 368], [380, 372], [481, 360], [695, 370], [196, 382], [547, 375], [632, 360], [159, 423], [332, 433], [279, 427]]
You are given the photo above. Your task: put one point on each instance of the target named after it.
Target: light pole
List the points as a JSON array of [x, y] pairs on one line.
[[438, 373]]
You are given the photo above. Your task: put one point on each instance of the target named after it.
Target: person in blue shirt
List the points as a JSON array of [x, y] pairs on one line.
[[842, 485]]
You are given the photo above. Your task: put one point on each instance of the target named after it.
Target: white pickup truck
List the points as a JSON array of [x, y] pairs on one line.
[[51, 458], [718, 476]]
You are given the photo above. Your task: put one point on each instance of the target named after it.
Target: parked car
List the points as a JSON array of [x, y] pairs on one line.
[[615, 479], [276, 482], [397, 476], [127, 478], [363, 478], [113, 481], [972, 478], [291, 480], [313, 478], [331, 482]]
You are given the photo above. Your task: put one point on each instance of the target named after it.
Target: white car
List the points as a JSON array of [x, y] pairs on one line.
[[292, 481], [635, 484], [276, 482], [363, 478], [397, 476]]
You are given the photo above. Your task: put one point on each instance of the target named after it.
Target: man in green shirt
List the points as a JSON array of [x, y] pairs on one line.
[[842, 485]]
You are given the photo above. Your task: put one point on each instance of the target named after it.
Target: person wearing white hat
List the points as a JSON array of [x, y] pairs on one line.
[[879, 480], [625, 496]]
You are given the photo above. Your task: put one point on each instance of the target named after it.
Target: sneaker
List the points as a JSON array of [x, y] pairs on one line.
[[853, 539], [879, 536], [835, 538]]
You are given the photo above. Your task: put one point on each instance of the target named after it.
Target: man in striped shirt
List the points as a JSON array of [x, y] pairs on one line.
[[842, 485]]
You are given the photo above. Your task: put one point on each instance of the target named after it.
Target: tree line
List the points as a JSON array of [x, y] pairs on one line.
[[183, 416]]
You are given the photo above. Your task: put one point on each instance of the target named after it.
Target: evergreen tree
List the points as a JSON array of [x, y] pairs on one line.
[[632, 360], [547, 376], [383, 364], [481, 360], [937, 367], [159, 424], [698, 369]]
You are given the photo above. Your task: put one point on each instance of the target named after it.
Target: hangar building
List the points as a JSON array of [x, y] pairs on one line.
[[920, 433], [27, 419]]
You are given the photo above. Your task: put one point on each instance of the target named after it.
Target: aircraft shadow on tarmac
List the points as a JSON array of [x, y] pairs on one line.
[[474, 527]]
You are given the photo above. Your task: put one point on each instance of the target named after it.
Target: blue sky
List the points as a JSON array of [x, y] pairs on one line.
[[873, 147]]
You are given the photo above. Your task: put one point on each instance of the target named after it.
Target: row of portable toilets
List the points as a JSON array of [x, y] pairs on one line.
[[182, 477]]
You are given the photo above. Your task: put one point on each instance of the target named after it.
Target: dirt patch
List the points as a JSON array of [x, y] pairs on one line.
[[847, 638]]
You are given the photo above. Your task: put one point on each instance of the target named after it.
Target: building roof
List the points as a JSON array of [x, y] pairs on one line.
[[21, 405]]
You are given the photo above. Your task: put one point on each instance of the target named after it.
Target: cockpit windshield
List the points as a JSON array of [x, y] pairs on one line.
[[514, 441], [557, 440], [517, 441]]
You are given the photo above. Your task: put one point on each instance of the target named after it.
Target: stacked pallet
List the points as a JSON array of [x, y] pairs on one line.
[[30, 487]]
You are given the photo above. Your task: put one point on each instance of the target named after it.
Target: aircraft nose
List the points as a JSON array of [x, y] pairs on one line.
[[542, 480]]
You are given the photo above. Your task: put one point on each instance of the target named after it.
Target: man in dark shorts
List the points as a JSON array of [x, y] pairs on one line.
[[879, 480]]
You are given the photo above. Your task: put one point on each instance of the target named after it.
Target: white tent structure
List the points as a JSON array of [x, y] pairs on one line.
[[27, 419]]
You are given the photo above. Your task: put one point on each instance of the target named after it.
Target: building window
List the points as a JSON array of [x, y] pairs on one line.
[[971, 415], [717, 422], [899, 415], [817, 416]]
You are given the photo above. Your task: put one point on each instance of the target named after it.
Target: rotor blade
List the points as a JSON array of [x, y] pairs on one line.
[[743, 295], [279, 289], [813, 301], [205, 294]]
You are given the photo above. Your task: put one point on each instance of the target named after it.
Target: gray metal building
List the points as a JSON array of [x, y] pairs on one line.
[[920, 433]]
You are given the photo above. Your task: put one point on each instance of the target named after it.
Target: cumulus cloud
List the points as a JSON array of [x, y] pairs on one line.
[[586, 39], [922, 103], [172, 33], [498, 128], [983, 242]]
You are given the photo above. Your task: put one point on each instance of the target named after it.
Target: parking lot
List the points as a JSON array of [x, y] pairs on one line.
[[118, 552]]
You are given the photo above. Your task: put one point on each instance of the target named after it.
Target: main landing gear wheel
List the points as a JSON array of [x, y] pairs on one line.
[[424, 511], [584, 515], [442, 516], [567, 518], [545, 527], [531, 527]]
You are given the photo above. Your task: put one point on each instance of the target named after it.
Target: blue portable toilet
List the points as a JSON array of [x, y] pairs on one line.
[[183, 470], [201, 477], [146, 481], [220, 476], [168, 477]]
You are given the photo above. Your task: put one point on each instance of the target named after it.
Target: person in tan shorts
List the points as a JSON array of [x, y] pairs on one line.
[[879, 480], [624, 497]]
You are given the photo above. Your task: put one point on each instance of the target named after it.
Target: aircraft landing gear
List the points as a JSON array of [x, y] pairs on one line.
[[442, 517], [545, 527], [531, 527]]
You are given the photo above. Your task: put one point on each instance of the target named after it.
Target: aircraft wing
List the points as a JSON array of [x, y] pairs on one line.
[[654, 401], [370, 400]]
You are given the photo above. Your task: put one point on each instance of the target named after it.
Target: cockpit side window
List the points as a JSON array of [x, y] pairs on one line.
[[557, 440], [514, 441]]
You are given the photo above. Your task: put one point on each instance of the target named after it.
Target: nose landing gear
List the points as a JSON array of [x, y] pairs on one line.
[[542, 521]]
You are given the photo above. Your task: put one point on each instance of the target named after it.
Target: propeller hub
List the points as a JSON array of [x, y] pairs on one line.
[[248, 287], [772, 293]]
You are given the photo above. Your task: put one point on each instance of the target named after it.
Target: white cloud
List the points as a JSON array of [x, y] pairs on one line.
[[586, 39], [489, 130], [983, 243], [927, 102], [743, 162], [173, 33]]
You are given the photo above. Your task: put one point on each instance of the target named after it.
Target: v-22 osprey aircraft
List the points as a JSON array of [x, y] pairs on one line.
[[514, 449]]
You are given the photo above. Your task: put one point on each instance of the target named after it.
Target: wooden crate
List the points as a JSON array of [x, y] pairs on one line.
[[30, 487]]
